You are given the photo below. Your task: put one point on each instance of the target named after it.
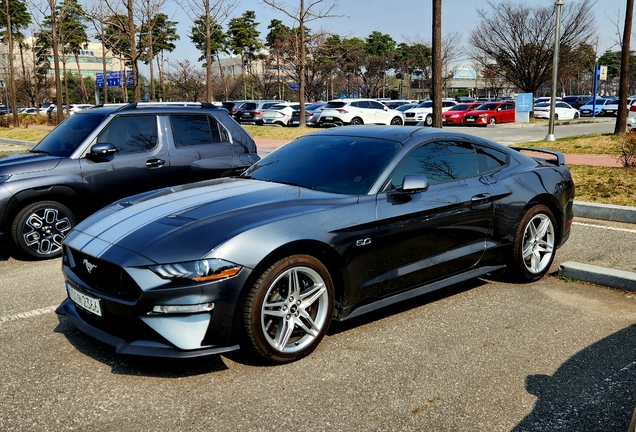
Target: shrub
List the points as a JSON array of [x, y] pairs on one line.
[[626, 149]]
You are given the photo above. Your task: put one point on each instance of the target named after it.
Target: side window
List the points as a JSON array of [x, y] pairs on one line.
[[376, 105], [131, 134], [439, 162], [196, 129], [489, 159], [364, 104]]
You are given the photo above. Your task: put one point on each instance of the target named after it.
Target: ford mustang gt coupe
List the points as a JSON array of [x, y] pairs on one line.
[[333, 225]]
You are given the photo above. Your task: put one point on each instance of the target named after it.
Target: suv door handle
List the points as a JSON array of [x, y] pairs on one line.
[[155, 163], [480, 198]]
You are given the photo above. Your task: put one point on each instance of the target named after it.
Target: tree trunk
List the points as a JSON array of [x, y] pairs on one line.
[[437, 63], [623, 92], [301, 72], [81, 80]]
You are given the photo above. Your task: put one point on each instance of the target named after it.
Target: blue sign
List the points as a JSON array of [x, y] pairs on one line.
[[524, 102], [113, 79]]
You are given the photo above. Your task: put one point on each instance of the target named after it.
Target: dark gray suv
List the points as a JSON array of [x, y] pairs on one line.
[[106, 153]]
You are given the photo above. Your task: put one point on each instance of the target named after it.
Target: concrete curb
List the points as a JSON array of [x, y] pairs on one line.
[[607, 212], [8, 141], [599, 275]]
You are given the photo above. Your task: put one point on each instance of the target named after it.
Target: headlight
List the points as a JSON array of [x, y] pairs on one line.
[[198, 271], [483, 115], [4, 178]]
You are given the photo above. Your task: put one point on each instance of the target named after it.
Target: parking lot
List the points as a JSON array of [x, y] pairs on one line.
[[486, 355]]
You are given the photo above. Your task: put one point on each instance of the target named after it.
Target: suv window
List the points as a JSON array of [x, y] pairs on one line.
[[191, 130], [131, 134], [439, 162], [376, 105]]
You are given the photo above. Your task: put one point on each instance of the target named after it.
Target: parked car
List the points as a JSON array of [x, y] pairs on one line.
[[455, 114], [610, 108], [251, 112], [333, 225], [576, 101], [99, 155], [28, 111], [631, 118], [562, 111], [279, 114], [312, 115], [491, 113], [232, 107], [592, 106], [404, 108], [424, 112], [75, 108], [545, 99], [358, 111]]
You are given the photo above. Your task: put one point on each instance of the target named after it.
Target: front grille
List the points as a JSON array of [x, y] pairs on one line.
[[104, 277], [410, 114]]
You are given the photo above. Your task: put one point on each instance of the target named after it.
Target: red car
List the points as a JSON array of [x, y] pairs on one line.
[[491, 113], [455, 115]]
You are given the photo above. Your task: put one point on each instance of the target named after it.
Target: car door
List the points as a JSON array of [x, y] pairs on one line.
[[430, 234], [380, 115], [200, 148], [141, 162]]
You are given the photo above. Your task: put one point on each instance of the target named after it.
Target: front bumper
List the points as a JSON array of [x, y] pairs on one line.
[[127, 325]]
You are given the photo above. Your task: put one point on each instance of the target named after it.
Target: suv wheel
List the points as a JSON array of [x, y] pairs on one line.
[[429, 120], [39, 229], [356, 121]]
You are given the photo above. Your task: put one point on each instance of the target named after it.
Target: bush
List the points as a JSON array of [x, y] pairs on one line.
[[626, 149]]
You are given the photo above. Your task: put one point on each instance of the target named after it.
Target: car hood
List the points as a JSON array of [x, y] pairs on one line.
[[19, 163], [189, 221]]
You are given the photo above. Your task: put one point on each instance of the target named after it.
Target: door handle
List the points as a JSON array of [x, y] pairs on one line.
[[155, 163], [480, 198]]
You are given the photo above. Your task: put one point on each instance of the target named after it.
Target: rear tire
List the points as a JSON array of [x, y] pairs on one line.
[[288, 310], [356, 121], [39, 229], [534, 245]]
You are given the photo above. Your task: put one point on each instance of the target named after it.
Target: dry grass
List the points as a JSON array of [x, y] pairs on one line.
[[584, 144], [605, 185], [277, 132], [34, 135]]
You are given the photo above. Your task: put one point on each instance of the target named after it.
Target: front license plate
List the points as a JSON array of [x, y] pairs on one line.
[[329, 118], [469, 119], [88, 303]]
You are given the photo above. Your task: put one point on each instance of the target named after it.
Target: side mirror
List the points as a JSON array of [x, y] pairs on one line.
[[101, 150], [410, 184]]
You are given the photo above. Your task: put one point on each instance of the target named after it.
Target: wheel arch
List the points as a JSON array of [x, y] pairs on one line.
[[319, 250], [64, 195]]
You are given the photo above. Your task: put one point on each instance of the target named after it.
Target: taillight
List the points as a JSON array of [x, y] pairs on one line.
[[341, 111], [256, 113], [632, 108]]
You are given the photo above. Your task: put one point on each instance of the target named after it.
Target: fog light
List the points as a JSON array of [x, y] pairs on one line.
[[181, 309]]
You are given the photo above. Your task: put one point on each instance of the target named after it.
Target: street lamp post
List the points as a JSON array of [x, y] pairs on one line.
[[555, 70]]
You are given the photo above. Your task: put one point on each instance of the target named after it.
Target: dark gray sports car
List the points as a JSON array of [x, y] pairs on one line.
[[332, 225]]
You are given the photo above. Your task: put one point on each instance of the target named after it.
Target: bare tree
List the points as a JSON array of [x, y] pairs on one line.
[[213, 12], [520, 38], [305, 13], [188, 80], [621, 117]]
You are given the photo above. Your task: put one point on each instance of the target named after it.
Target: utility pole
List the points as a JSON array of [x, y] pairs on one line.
[[555, 70]]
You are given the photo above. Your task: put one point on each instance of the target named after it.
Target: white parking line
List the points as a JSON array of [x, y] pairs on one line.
[[605, 227], [9, 318]]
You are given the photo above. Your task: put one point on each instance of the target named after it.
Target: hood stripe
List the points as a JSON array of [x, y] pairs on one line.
[[118, 225]]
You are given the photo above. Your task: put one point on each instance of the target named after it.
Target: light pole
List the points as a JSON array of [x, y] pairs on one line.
[[555, 69]]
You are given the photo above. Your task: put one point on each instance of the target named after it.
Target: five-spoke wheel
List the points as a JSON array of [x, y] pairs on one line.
[[535, 244], [289, 308]]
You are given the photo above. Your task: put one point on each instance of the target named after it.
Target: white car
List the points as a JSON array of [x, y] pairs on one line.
[[79, 107], [631, 117], [562, 111], [358, 111], [279, 114], [611, 107], [424, 112]]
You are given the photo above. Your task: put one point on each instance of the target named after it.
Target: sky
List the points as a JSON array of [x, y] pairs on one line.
[[403, 20]]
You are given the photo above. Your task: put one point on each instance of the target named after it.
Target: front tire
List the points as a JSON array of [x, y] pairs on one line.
[[576, 115], [429, 120], [356, 121], [492, 121], [396, 121], [39, 229], [288, 310], [534, 245]]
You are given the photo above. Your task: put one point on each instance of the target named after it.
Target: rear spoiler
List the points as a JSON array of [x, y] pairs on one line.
[[560, 158]]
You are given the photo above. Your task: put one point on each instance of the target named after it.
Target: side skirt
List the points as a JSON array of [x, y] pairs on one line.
[[422, 290]]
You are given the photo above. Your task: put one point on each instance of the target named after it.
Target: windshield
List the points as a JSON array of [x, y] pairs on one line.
[[488, 107], [459, 108], [427, 104], [69, 134], [336, 164]]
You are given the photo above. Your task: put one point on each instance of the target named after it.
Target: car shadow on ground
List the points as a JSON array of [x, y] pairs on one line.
[[592, 391], [137, 365]]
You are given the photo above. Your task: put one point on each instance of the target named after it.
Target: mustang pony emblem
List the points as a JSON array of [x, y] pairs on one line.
[[89, 265]]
